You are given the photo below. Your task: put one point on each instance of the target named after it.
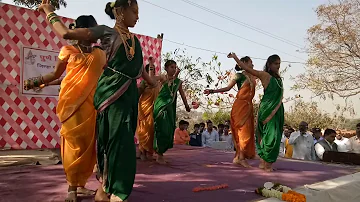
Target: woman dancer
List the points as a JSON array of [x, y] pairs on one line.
[[242, 113], [116, 96], [145, 124], [84, 65], [165, 111], [271, 111]]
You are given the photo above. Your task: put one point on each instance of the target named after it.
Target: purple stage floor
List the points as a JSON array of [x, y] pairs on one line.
[[188, 167]]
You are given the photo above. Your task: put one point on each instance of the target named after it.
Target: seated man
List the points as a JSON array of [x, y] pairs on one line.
[[181, 135], [195, 137], [327, 144]]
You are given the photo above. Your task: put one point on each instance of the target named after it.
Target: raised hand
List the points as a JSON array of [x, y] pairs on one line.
[[231, 55], [46, 7]]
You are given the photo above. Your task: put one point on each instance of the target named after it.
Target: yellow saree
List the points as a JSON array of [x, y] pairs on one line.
[[77, 114], [145, 123]]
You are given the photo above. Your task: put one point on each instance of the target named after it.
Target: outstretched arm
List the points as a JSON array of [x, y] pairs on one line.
[[183, 97], [220, 90], [148, 79], [83, 34], [56, 82], [263, 76]]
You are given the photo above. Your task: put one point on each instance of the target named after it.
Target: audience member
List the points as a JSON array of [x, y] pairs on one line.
[[343, 143], [195, 137], [227, 137], [209, 135], [317, 134], [327, 144], [355, 141], [303, 143], [181, 135], [288, 147]]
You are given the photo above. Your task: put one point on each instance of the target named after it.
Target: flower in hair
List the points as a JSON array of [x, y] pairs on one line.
[[112, 5]]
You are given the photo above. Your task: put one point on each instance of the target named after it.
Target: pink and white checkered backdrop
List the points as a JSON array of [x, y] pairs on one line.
[[29, 122]]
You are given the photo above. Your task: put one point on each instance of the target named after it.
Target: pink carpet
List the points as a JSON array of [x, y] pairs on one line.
[[188, 167]]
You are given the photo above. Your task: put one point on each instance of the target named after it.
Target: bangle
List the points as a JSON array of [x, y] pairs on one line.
[[50, 15], [54, 20]]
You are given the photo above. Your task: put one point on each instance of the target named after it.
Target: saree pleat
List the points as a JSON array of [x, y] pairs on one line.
[[242, 117], [145, 125], [77, 114], [165, 117], [270, 122], [116, 99]]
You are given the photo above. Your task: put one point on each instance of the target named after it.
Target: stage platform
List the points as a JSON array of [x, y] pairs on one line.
[[188, 167]]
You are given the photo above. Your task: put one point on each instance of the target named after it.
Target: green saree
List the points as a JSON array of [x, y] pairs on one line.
[[165, 116], [116, 99], [270, 121]]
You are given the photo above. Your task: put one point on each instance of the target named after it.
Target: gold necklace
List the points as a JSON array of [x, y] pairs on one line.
[[170, 84], [129, 50]]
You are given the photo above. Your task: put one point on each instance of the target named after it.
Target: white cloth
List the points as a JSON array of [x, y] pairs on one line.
[[354, 145], [229, 141], [209, 138], [303, 146], [343, 145], [282, 146], [320, 150]]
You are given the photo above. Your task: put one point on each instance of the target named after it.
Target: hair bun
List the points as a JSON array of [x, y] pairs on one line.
[[109, 10]]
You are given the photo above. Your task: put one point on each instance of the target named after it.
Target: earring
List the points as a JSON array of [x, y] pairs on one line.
[[122, 17]]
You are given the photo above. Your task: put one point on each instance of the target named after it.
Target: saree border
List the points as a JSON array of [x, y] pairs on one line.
[[118, 93]]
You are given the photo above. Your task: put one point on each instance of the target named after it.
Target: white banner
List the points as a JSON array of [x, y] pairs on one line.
[[36, 62]]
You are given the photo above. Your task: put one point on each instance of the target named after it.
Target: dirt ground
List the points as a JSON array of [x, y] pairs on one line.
[[29, 157]]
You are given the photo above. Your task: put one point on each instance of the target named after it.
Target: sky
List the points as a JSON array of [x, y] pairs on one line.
[[283, 18]]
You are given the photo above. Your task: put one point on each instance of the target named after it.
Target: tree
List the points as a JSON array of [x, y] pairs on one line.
[[36, 3], [333, 67], [192, 74], [217, 117], [310, 113]]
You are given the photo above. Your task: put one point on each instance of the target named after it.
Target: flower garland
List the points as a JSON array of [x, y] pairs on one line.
[[281, 192], [210, 188]]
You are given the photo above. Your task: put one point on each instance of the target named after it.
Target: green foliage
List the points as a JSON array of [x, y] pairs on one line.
[[218, 117], [310, 113], [36, 3]]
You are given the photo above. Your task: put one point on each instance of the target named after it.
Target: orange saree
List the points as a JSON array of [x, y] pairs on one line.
[[77, 113], [242, 117], [145, 124]]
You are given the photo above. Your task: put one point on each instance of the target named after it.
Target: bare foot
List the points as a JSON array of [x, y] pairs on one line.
[[71, 197], [268, 167], [242, 162], [101, 196], [262, 164], [84, 191], [114, 198], [160, 159]]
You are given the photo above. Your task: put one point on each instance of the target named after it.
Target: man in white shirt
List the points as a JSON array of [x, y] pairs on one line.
[[327, 144], [343, 143], [355, 141], [303, 143], [227, 137], [209, 135]]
